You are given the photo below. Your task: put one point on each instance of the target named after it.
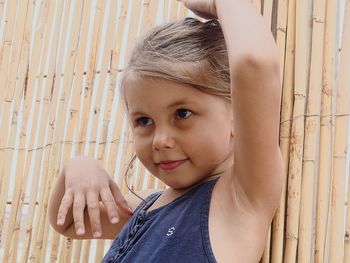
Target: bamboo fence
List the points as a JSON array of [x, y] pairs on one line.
[[60, 66]]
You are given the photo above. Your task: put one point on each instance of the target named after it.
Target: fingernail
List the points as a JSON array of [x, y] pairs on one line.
[[60, 222], [130, 211], [80, 231], [114, 220], [97, 234]]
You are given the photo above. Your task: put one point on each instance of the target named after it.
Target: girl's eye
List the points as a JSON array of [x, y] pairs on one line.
[[143, 121], [183, 113]]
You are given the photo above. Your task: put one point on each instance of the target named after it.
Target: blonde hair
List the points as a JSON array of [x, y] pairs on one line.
[[187, 51]]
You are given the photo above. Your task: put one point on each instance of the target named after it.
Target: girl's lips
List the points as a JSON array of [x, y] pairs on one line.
[[171, 165]]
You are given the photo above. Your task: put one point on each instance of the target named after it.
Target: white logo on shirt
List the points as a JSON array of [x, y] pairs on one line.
[[170, 231]]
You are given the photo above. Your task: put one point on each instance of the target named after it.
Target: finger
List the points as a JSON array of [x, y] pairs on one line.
[[66, 203], [119, 198], [109, 203], [78, 213], [94, 213]]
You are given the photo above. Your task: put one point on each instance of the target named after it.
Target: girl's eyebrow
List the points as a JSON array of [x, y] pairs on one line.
[[173, 104], [182, 101], [189, 102], [134, 113], [177, 103]]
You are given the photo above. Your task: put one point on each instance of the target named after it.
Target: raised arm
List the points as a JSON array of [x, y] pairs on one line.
[[256, 95]]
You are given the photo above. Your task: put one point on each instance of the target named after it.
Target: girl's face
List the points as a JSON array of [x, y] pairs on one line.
[[181, 135]]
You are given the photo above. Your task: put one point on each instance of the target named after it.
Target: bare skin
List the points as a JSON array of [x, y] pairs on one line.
[[247, 194]]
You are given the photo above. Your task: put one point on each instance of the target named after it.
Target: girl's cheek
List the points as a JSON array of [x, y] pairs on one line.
[[142, 131], [142, 148]]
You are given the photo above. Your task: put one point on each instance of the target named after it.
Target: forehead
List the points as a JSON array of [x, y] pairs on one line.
[[147, 92]]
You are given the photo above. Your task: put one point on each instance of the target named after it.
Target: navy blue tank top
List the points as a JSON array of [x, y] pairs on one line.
[[177, 232]]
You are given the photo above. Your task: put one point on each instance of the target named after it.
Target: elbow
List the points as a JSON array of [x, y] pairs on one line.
[[258, 71], [265, 62]]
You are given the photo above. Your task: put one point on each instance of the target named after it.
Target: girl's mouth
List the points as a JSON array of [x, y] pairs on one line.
[[170, 165]]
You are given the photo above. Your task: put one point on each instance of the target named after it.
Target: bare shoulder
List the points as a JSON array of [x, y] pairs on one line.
[[109, 230], [237, 230], [135, 201]]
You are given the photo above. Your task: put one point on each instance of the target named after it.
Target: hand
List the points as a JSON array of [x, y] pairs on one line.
[[202, 8], [86, 183]]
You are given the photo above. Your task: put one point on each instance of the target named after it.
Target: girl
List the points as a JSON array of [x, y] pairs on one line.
[[203, 103]]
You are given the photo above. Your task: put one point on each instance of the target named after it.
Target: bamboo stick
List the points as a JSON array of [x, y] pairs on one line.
[[27, 237], [347, 229], [6, 46], [45, 184], [16, 49], [345, 53], [297, 140], [21, 178], [173, 10], [267, 11], [95, 106], [340, 154], [2, 10], [16, 104], [306, 244], [326, 131], [35, 143], [266, 254], [7, 170], [36, 134], [258, 5], [111, 150], [166, 11], [54, 249]]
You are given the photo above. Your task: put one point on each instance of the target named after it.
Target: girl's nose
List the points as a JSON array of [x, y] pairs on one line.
[[163, 140]]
